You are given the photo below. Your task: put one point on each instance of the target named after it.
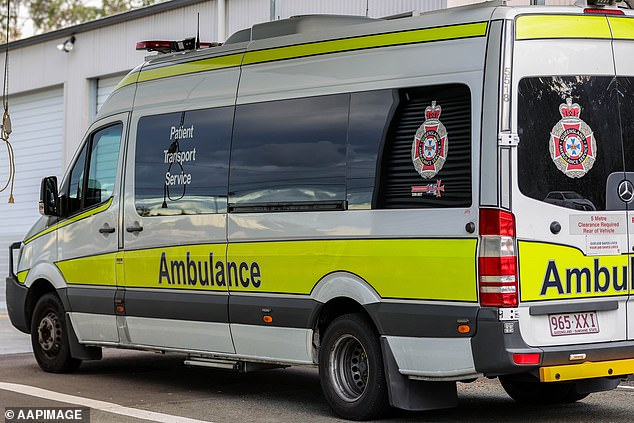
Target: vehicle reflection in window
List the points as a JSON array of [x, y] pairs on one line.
[[570, 200], [181, 162], [290, 151]]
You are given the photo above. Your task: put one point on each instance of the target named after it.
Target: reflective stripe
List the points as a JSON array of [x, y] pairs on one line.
[[452, 32], [214, 63], [558, 272], [367, 41], [130, 78], [563, 26], [93, 270], [427, 269], [586, 370], [22, 276], [622, 28], [73, 219]]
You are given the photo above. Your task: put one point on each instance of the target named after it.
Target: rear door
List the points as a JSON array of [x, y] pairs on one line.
[[573, 251], [623, 32]]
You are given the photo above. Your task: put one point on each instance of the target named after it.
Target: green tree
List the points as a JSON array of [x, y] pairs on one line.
[[49, 15], [14, 32]]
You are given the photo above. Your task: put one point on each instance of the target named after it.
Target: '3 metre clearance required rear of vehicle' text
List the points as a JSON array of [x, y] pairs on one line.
[[403, 204]]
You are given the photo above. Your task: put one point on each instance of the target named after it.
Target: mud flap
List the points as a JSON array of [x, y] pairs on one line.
[[415, 395], [77, 350]]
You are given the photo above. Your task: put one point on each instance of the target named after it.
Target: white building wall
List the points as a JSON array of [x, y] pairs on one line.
[[374, 8], [245, 13], [110, 50], [456, 3]]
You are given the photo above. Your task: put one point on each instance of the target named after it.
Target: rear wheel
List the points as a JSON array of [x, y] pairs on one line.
[[540, 393], [49, 336], [351, 369]]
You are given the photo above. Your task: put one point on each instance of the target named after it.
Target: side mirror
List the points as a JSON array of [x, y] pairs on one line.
[[48, 197]]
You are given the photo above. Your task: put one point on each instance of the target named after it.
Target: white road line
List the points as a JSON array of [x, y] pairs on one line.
[[108, 407]]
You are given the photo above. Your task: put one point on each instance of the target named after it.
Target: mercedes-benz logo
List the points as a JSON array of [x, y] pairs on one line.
[[626, 191]]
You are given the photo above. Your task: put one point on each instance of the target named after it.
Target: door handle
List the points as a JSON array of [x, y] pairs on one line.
[[106, 229], [134, 229]]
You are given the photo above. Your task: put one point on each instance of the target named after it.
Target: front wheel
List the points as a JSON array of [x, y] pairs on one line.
[[351, 369], [49, 336]]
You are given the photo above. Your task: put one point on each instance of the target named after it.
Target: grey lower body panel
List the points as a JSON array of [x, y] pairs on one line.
[[16, 304], [423, 320]]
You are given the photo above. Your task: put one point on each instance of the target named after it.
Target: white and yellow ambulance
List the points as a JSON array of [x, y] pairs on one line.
[[403, 203]]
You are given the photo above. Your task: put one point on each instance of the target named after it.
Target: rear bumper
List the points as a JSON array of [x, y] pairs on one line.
[[493, 351], [606, 359], [587, 370], [16, 303]]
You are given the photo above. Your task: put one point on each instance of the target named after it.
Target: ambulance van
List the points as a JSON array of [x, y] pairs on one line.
[[404, 204]]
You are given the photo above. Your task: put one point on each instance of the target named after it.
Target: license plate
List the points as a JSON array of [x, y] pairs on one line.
[[573, 323]]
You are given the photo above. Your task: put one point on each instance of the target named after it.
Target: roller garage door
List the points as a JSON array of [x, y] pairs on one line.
[[37, 140]]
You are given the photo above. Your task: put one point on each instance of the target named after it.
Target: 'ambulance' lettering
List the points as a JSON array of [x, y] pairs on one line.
[[584, 280], [201, 272]]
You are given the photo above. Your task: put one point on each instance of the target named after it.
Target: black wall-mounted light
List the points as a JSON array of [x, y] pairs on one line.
[[67, 45]]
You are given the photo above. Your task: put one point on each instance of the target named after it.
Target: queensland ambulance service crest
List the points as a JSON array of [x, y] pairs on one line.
[[573, 147], [429, 149]]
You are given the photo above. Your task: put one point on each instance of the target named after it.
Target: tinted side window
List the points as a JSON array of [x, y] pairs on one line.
[[181, 163], [370, 116], [290, 151], [99, 156], [426, 157], [76, 183], [102, 171]]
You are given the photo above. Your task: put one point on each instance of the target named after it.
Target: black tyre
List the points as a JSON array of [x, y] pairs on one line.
[[539, 393], [351, 369], [574, 396], [49, 336]]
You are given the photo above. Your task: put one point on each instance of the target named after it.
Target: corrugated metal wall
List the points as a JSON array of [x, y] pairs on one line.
[[375, 8], [243, 14]]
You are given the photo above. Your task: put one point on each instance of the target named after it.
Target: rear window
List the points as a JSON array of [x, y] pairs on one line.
[[570, 150]]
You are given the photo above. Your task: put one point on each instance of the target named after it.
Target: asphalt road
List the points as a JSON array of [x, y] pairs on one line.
[[137, 386], [131, 386]]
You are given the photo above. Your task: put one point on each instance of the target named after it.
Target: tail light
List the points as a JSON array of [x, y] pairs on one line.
[[604, 11], [497, 261]]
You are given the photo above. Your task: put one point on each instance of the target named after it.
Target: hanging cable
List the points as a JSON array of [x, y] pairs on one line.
[[5, 130]]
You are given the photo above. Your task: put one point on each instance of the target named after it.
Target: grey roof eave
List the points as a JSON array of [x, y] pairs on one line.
[[102, 22]]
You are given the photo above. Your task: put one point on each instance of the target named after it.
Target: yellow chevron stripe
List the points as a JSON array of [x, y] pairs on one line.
[[529, 27], [73, 219], [367, 41], [622, 28], [477, 29]]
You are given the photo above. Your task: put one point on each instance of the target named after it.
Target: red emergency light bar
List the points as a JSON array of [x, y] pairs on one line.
[[166, 46]]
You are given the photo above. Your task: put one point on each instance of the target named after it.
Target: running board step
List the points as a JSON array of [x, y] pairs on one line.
[[237, 366]]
